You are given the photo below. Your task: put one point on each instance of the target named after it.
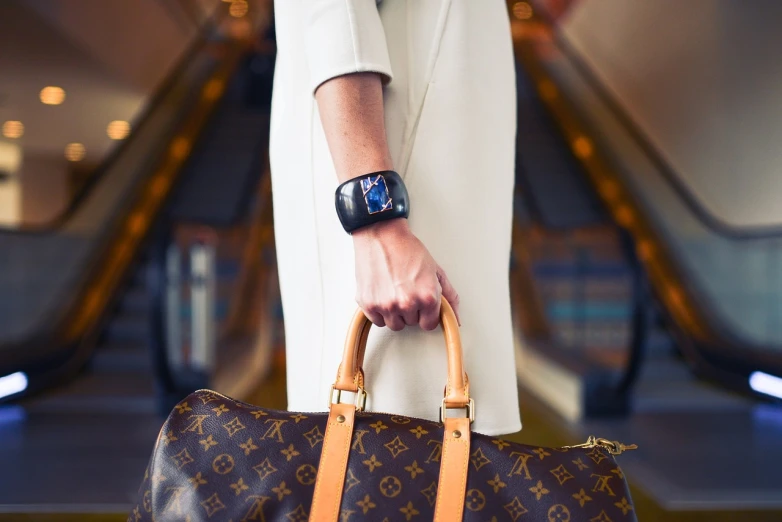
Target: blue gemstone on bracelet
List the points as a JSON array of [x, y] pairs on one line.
[[376, 194]]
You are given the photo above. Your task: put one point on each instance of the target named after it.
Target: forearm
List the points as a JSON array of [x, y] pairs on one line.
[[398, 282], [351, 112]]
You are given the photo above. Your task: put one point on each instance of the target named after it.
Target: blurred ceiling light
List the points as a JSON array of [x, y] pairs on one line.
[[10, 157], [52, 95], [13, 129], [118, 129], [75, 152], [522, 10], [238, 8]]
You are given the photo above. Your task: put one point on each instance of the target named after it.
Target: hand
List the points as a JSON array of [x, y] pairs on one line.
[[398, 282]]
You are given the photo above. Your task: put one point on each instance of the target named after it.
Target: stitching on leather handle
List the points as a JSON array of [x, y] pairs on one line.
[[437, 505], [338, 498], [337, 501], [318, 481], [463, 494]]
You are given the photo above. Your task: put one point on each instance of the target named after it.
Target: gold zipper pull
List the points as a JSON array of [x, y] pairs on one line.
[[613, 447]]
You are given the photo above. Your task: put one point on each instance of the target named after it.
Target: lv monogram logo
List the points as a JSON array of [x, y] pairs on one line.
[[220, 460], [436, 453], [197, 424], [256, 509], [358, 441], [175, 500], [274, 430], [602, 484], [520, 466]]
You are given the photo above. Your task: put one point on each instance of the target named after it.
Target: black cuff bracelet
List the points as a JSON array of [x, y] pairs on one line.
[[371, 198]]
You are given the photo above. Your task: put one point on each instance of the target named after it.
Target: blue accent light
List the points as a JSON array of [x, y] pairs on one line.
[[376, 194], [765, 383], [13, 384]]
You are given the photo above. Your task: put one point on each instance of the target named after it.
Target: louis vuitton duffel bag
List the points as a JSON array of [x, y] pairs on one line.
[[221, 459]]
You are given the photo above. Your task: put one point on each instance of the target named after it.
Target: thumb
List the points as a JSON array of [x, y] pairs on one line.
[[449, 292]]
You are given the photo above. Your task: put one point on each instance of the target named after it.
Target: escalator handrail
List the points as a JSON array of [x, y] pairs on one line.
[[161, 93], [714, 223]]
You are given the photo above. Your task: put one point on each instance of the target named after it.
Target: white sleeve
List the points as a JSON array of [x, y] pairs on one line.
[[343, 37]]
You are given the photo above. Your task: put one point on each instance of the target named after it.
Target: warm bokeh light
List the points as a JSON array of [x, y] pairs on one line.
[[238, 8], [213, 89], [608, 189], [118, 129], [180, 148], [582, 146], [13, 129], [75, 152], [645, 249], [624, 215], [522, 10], [547, 89], [52, 95]]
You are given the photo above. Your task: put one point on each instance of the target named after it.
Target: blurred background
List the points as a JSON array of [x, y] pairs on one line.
[[137, 258]]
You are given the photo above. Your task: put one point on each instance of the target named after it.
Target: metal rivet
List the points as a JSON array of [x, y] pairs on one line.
[[340, 418], [457, 434]]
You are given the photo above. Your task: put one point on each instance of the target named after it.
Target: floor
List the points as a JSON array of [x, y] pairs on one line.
[[47, 449]]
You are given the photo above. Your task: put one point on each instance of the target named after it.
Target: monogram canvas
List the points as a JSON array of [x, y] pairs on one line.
[[223, 460]]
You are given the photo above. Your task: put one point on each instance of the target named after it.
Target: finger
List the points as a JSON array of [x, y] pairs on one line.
[[394, 321], [449, 292], [372, 311], [376, 318], [411, 315], [430, 311]]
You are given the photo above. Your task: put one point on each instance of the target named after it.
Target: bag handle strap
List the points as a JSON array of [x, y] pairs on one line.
[[330, 480], [350, 376]]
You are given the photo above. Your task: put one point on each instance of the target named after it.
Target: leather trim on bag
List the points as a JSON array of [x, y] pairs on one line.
[[333, 465], [452, 486]]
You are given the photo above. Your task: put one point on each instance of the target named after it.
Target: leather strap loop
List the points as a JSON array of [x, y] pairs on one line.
[[333, 465], [452, 486], [350, 374]]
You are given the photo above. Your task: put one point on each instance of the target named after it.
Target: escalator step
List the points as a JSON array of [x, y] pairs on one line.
[[101, 391], [128, 327], [122, 357], [135, 300]]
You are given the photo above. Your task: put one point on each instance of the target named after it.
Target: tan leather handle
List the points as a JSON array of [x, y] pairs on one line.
[[351, 375]]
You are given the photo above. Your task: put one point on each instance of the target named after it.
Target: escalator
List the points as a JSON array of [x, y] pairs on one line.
[[636, 316], [84, 367], [592, 310], [706, 281]]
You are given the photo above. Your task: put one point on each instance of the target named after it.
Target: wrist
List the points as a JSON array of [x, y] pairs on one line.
[[371, 199], [384, 230]]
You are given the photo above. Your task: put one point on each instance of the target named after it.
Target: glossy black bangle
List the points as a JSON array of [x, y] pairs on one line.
[[370, 199]]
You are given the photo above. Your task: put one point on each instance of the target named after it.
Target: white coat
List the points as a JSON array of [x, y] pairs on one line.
[[450, 115]]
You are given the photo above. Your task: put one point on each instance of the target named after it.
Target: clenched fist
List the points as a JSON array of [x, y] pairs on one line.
[[398, 282]]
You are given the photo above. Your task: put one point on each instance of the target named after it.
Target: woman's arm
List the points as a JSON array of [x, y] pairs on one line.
[[397, 280]]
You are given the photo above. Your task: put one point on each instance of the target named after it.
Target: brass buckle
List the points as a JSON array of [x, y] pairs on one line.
[[470, 407], [360, 401]]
